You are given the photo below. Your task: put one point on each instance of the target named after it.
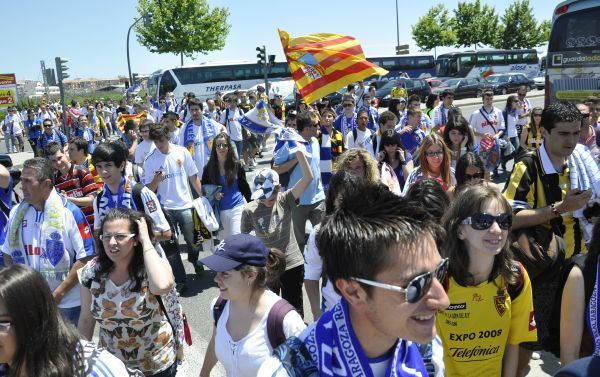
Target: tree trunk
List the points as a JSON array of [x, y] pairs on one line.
[[181, 59]]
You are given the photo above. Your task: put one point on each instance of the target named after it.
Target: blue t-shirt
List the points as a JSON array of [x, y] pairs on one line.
[[5, 207], [34, 127], [314, 193], [232, 197], [412, 140]]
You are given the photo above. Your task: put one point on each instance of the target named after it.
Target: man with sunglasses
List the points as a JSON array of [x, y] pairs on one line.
[[587, 136], [383, 260], [523, 109], [541, 192], [51, 135]]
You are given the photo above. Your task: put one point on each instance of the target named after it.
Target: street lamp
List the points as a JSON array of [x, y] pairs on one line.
[[146, 23], [397, 26]]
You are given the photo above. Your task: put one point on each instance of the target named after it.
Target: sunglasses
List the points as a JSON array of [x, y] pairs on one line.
[[118, 237], [434, 154], [473, 176], [418, 287], [483, 221], [5, 326], [222, 146], [537, 115], [47, 126]]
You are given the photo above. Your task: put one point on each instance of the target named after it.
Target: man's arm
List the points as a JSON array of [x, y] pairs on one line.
[[156, 180], [4, 177], [196, 184], [70, 281], [84, 201], [285, 167]]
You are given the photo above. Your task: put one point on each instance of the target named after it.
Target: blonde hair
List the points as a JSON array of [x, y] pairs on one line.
[[371, 169], [430, 140]]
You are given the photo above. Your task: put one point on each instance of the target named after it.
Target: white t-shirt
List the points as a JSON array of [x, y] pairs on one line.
[[174, 136], [244, 357], [178, 166], [142, 150], [201, 155], [313, 269], [480, 124], [363, 140], [512, 119], [78, 243], [230, 118], [151, 207]]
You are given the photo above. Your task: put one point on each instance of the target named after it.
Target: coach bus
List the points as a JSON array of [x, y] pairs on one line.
[[204, 80], [574, 52], [483, 63]]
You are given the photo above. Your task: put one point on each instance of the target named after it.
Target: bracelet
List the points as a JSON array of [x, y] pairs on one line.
[[555, 210], [150, 248]]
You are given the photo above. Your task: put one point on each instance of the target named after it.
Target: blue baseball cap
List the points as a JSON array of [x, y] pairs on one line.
[[236, 250]]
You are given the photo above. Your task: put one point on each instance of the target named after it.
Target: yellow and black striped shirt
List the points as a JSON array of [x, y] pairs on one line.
[[523, 192]]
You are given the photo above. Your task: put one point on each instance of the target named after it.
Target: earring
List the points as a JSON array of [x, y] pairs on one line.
[[248, 283]]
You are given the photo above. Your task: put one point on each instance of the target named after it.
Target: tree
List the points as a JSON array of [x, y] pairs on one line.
[[520, 29], [182, 27], [474, 24], [434, 29]]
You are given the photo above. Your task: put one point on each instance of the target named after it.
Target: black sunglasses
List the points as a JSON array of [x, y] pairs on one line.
[[418, 286], [473, 176], [483, 221]]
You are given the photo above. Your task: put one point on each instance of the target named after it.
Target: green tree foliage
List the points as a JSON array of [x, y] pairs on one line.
[[182, 27], [434, 29], [474, 24], [519, 29]]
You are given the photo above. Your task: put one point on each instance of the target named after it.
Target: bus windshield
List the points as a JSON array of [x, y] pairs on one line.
[[446, 67]]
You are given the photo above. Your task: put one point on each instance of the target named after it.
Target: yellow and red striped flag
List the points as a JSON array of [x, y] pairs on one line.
[[137, 118], [323, 63]]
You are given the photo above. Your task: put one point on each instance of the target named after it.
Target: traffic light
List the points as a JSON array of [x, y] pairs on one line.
[[262, 55], [61, 68], [50, 77], [134, 78]]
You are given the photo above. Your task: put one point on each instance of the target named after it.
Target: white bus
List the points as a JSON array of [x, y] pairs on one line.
[[205, 79], [483, 63], [574, 52]]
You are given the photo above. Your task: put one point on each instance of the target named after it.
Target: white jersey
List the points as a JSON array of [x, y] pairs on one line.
[[54, 262], [440, 115], [363, 140], [142, 150], [483, 122], [230, 118], [151, 207], [178, 166]]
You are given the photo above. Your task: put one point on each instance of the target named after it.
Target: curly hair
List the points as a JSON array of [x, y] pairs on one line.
[[371, 168]]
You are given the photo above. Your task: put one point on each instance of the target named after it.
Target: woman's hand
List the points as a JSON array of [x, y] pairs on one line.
[[218, 195], [380, 156], [401, 155], [143, 234]]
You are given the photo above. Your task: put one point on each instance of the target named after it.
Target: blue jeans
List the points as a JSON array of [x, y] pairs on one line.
[[71, 314], [587, 366], [169, 372], [183, 219], [239, 151]]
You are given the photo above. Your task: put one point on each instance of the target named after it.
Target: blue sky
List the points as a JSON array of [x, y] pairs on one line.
[[91, 34]]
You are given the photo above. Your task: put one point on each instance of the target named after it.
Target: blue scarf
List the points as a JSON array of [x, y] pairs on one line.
[[337, 351], [347, 125], [208, 131], [591, 314], [326, 162]]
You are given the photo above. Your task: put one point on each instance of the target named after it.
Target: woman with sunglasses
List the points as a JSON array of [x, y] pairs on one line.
[[434, 163], [491, 307], [119, 290], [36, 340], [224, 170], [531, 137], [470, 170]]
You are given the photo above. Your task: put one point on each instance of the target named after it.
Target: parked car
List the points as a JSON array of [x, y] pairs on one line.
[[540, 80], [434, 82], [462, 88], [413, 86], [503, 83]]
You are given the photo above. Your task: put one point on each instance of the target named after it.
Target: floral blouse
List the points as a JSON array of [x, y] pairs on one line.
[[132, 325]]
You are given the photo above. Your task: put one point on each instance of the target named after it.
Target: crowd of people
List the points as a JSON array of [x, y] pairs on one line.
[[416, 264]]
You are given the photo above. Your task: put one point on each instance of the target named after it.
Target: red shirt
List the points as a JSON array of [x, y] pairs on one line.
[[77, 184]]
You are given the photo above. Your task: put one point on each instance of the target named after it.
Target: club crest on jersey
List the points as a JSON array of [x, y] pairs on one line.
[[500, 304], [151, 206]]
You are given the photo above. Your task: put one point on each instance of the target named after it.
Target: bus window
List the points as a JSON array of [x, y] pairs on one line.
[[192, 75], [215, 74], [167, 84], [530, 58], [153, 84], [467, 61], [576, 31]]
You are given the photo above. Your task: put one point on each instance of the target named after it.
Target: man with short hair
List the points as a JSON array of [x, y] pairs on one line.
[[230, 118], [50, 234], [78, 153], [412, 135], [312, 201], [212, 111], [558, 203], [332, 145], [11, 128], [587, 136], [146, 145], [167, 171], [130, 137], [523, 109], [440, 113], [383, 260], [51, 135], [371, 111], [346, 121], [74, 182], [197, 133], [361, 136], [488, 122], [414, 102], [387, 121], [33, 124]]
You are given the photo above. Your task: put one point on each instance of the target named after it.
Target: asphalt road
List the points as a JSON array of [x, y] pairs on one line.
[[202, 289]]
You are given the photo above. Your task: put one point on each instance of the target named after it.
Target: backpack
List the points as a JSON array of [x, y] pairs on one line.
[[368, 140], [274, 319], [552, 342]]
